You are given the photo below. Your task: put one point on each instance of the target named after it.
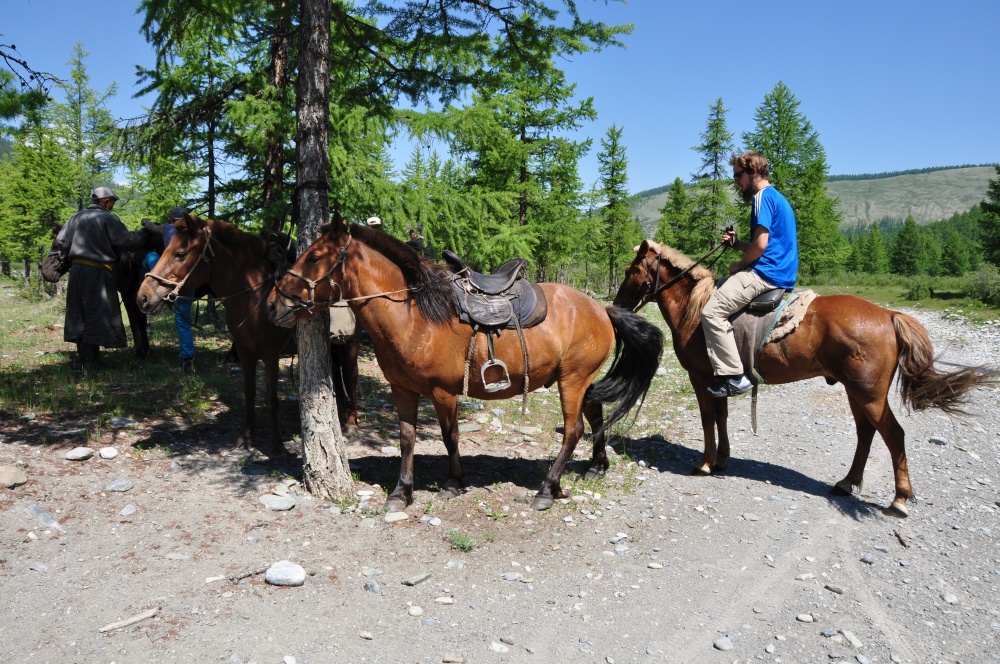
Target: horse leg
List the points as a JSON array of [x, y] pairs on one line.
[[271, 378], [446, 406], [572, 401], [137, 323], [599, 464], [406, 407], [879, 414], [866, 433], [350, 370], [710, 459], [248, 367]]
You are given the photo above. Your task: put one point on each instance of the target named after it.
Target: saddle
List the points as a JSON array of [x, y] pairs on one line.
[[754, 326], [494, 302], [501, 300]]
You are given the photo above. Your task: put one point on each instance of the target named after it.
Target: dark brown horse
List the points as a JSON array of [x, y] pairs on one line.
[[843, 338], [235, 265], [128, 276], [408, 307]]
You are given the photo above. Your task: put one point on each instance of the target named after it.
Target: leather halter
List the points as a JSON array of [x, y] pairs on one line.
[[206, 256], [310, 301], [650, 295]]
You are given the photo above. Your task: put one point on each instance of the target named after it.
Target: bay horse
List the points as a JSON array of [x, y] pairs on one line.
[[408, 307], [842, 338], [128, 275], [235, 265]]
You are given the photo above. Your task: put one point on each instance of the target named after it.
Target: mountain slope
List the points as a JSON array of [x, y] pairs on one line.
[[927, 196]]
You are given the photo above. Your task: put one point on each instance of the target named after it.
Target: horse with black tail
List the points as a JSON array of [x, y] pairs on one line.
[[410, 309]]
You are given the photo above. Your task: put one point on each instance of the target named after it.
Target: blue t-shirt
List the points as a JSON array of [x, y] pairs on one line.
[[779, 264]]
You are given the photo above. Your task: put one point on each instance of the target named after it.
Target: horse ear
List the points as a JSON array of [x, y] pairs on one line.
[[190, 223], [337, 223], [643, 248]]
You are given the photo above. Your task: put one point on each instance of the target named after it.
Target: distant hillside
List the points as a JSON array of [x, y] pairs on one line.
[[927, 194]]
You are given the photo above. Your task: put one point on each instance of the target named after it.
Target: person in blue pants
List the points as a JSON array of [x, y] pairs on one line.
[[182, 307]]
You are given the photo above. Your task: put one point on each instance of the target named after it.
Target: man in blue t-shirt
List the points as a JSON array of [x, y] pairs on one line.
[[770, 260]]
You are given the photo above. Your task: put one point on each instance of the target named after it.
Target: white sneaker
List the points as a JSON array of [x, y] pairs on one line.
[[730, 387]]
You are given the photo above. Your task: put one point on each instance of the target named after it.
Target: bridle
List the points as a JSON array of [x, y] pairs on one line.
[[206, 256], [310, 302], [652, 293]]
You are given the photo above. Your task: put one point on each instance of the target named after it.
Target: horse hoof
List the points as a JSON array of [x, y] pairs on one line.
[[843, 488], [541, 503], [702, 471], [395, 504], [449, 492], [593, 473], [898, 510], [720, 466]]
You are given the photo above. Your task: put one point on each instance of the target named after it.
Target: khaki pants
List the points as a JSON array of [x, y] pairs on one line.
[[734, 294]]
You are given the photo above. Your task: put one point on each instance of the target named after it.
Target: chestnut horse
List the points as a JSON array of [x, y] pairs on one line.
[[234, 264], [843, 338], [409, 309]]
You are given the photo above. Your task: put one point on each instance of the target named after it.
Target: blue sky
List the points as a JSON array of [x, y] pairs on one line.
[[889, 85]]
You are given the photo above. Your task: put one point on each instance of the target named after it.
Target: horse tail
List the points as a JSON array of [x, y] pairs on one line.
[[638, 347], [923, 386]]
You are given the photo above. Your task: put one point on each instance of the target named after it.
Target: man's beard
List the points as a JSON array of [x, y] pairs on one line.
[[748, 194]]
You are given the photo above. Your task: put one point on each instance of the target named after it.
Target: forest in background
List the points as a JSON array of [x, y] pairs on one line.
[[219, 139]]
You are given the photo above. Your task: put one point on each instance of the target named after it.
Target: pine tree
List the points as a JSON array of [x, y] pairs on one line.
[[674, 215], [799, 171], [712, 207], [955, 255], [621, 228], [990, 221], [86, 127], [908, 255]]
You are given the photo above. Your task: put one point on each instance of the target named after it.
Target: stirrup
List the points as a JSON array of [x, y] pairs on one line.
[[499, 385]]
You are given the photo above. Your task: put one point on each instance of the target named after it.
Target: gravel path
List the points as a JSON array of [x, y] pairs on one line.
[[653, 565]]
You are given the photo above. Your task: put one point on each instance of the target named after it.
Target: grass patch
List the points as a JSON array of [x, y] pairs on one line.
[[459, 540]]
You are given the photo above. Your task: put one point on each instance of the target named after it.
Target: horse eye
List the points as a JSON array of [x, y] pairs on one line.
[[313, 258], [180, 255]]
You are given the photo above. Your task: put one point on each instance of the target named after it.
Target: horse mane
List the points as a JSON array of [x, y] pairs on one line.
[[430, 284], [704, 280], [231, 236]]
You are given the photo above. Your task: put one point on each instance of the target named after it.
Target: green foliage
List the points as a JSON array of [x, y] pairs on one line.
[[990, 221], [673, 214], [984, 285], [460, 541], [908, 255], [712, 208], [799, 171], [621, 228]]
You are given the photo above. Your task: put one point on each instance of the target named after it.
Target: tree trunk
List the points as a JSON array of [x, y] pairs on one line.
[[324, 451], [274, 157]]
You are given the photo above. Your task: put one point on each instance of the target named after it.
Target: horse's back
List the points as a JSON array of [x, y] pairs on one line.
[[836, 332], [575, 317]]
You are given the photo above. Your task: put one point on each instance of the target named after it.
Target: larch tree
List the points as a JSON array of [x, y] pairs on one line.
[[674, 215], [799, 171], [86, 128], [712, 206], [621, 228], [989, 222]]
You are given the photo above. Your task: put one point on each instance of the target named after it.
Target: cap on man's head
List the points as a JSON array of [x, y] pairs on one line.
[[374, 221], [177, 213], [101, 193]]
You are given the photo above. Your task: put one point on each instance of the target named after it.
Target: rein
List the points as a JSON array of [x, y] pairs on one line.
[[657, 289]]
